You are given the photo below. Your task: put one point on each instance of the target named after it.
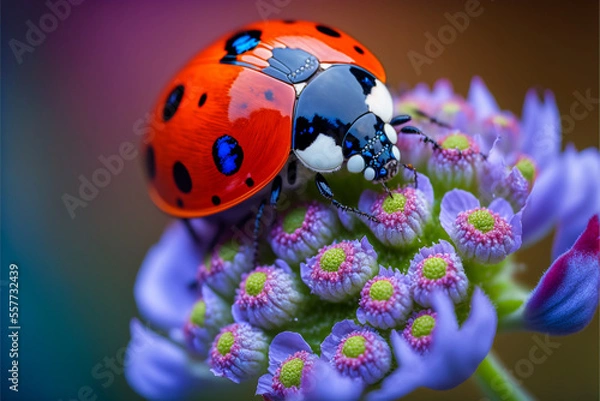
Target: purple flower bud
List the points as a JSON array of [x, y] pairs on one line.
[[385, 300], [268, 296], [290, 360], [357, 352], [339, 271], [223, 268], [206, 318], [239, 352], [403, 216], [302, 231], [418, 332], [566, 298], [437, 268], [456, 163], [486, 235]]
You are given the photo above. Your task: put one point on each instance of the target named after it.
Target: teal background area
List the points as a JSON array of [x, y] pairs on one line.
[[84, 92]]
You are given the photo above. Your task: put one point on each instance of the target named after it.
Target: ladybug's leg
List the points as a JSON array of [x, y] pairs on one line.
[[191, 231], [326, 192], [273, 198], [410, 130]]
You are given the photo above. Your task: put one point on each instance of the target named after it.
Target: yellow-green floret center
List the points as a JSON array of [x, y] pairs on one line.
[[291, 373], [434, 268], [394, 204], [228, 250], [451, 107], [482, 220], [255, 283], [423, 326], [354, 346], [294, 219], [456, 141], [225, 343], [381, 290], [332, 259], [198, 313], [527, 169]]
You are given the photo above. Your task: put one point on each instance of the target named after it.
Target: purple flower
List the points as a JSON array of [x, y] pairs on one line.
[[486, 235], [566, 298], [437, 268], [302, 231], [165, 289], [385, 300], [454, 353], [456, 162], [207, 316], [268, 297], [158, 369], [403, 216], [239, 352], [357, 352], [223, 268], [290, 360], [339, 271], [418, 332]]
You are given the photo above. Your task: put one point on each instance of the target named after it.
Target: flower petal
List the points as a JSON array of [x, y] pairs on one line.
[[453, 203], [454, 355], [543, 137], [326, 384], [481, 99], [158, 369], [163, 290], [583, 197], [566, 297]]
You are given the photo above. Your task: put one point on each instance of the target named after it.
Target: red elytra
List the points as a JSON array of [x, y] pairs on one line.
[[226, 124]]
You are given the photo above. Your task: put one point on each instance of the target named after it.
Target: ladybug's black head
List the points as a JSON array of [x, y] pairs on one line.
[[369, 147]]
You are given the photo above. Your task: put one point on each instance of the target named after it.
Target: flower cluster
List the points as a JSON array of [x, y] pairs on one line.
[[341, 307]]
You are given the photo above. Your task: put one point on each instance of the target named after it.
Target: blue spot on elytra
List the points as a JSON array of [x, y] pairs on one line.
[[242, 42], [227, 155], [269, 95]]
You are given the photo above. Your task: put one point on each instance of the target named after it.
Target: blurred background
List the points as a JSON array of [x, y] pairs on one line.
[[81, 91]]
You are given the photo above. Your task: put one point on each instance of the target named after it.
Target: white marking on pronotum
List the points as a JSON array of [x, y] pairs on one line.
[[356, 164], [396, 152], [369, 174], [325, 66], [380, 102], [322, 155], [299, 87], [391, 133]]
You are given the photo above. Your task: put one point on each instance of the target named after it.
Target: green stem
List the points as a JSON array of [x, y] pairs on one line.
[[497, 383]]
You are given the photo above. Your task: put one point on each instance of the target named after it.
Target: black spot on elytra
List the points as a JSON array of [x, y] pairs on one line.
[[359, 50], [172, 103], [179, 203], [216, 200], [202, 100], [328, 31], [289, 21], [150, 162], [227, 155], [182, 178], [249, 182], [269, 95]]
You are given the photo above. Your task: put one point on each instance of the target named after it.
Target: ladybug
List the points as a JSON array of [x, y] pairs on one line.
[[260, 102]]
